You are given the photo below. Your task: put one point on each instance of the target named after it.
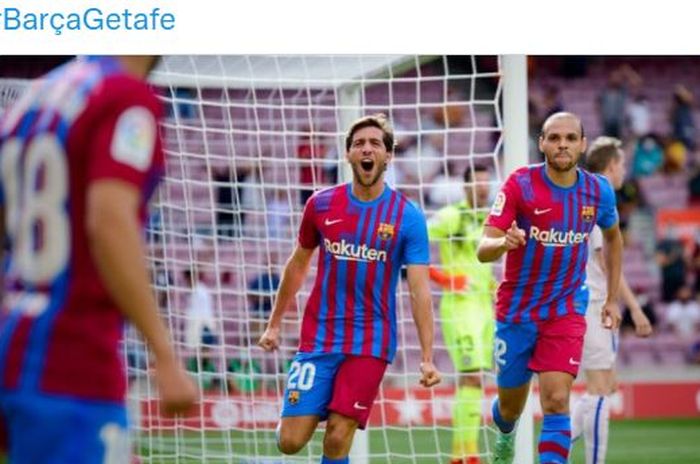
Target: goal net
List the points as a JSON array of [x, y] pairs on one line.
[[248, 139]]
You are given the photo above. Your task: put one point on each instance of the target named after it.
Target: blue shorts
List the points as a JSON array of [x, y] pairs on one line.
[[310, 382], [512, 352], [322, 382], [46, 429], [542, 346]]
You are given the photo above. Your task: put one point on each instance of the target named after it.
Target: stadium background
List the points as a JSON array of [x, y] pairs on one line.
[[659, 377]]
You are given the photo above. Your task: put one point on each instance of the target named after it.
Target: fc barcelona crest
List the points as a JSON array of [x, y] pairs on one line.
[[385, 231], [587, 213], [293, 397]]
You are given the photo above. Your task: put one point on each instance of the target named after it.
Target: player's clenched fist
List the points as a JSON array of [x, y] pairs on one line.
[[269, 341], [642, 326], [515, 237], [610, 315], [176, 388], [429, 374]]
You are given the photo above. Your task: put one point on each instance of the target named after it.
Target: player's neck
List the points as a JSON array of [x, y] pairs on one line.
[[370, 193], [564, 179]]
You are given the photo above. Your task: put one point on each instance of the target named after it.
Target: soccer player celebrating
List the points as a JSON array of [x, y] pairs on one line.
[[366, 232], [542, 220], [79, 157], [466, 307], [592, 411]]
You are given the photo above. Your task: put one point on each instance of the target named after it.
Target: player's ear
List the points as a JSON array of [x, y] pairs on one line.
[[584, 145]]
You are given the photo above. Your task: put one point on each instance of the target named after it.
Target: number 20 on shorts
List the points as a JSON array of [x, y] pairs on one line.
[[301, 376]]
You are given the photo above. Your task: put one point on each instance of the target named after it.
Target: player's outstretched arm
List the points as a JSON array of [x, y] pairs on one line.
[[613, 266], [292, 279], [116, 244], [494, 242], [422, 309]]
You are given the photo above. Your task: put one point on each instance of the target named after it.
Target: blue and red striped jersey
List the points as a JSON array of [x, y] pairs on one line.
[[86, 121], [546, 278], [363, 245]]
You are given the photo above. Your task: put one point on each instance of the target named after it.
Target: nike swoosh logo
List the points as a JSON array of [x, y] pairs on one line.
[[357, 405], [328, 222], [573, 362], [542, 211]]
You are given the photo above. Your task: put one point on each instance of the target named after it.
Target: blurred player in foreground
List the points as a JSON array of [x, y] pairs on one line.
[[466, 306], [365, 232], [591, 412], [542, 220], [79, 157]]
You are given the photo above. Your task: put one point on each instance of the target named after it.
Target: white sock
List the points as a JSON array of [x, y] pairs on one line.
[[577, 416], [596, 421]]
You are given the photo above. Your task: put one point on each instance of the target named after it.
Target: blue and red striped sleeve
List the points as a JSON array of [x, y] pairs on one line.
[[505, 206], [309, 237], [417, 249], [607, 211]]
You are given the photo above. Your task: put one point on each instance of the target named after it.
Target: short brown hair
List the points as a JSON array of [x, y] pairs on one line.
[[603, 151], [467, 175], [375, 120]]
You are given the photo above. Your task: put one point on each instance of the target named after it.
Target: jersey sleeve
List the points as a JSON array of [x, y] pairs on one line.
[[309, 237], [607, 211], [505, 206], [124, 142], [416, 249], [443, 224]]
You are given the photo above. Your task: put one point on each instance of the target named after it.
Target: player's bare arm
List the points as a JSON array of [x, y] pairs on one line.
[[116, 244], [642, 326], [494, 242], [422, 309], [613, 266], [295, 272]]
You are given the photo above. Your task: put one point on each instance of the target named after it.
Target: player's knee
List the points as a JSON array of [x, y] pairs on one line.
[[289, 442], [555, 401], [598, 390], [601, 385], [290, 446], [338, 439]]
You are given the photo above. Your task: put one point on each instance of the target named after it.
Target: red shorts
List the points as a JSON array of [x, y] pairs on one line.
[[356, 386], [559, 345]]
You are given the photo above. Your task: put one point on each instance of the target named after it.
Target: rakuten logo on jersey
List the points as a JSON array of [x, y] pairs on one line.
[[351, 252], [558, 238]]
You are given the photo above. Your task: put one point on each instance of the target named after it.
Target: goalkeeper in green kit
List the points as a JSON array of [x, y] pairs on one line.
[[466, 307]]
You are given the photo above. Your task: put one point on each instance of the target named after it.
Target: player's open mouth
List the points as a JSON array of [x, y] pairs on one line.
[[367, 165]]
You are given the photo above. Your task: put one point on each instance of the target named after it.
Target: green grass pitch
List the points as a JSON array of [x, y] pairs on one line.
[[632, 441]]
